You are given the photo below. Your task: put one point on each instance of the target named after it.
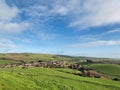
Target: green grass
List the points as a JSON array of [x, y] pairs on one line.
[[33, 57], [67, 70], [53, 78], [109, 69], [7, 62], [50, 79]]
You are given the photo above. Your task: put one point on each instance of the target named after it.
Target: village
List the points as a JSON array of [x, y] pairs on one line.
[[86, 72]]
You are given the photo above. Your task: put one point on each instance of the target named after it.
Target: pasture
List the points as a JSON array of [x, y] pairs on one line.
[[51, 79]]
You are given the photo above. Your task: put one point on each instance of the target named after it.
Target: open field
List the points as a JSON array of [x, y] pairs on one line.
[[50, 79]]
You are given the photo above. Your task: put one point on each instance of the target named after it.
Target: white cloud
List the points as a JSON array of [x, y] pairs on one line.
[[113, 31], [88, 37], [84, 14], [7, 16], [60, 10], [108, 33], [13, 27], [81, 13], [6, 44], [52, 8], [97, 13], [7, 13], [96, 43], [98, 36]]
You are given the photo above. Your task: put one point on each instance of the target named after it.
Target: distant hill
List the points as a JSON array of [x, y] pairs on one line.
[[28, 57]]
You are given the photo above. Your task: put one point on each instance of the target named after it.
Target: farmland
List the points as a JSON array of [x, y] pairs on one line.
[[55, 78]]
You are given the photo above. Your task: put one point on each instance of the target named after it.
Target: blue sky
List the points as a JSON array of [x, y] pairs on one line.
[[69, 27]]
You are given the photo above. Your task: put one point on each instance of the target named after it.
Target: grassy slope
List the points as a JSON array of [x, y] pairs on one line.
[[67, 70], [108, 69], [30, 57], [51, 79], [7, 61]]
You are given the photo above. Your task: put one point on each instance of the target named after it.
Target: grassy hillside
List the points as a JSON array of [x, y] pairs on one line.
[[109, 69], [37, 78], [50, 79], [67, 70], [7, 61], [27, 57]]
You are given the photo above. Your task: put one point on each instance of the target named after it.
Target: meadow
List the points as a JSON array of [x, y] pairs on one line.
[[50, 79], [41, 78]]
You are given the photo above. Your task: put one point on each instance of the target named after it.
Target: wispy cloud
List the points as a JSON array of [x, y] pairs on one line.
[[94, 13], [47, 36], [99, 36], [10, 27], [83, 14], [45, 11], [96, 43], [112, 31], [6, 44]]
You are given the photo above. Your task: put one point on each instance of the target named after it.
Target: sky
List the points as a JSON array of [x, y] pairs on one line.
[[68, 27]]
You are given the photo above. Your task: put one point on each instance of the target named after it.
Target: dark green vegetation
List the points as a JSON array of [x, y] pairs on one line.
[[111, 70], [40, 78]]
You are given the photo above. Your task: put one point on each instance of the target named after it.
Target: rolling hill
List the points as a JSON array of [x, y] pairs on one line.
[[39, 78], [109, 69], [50, 79]]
